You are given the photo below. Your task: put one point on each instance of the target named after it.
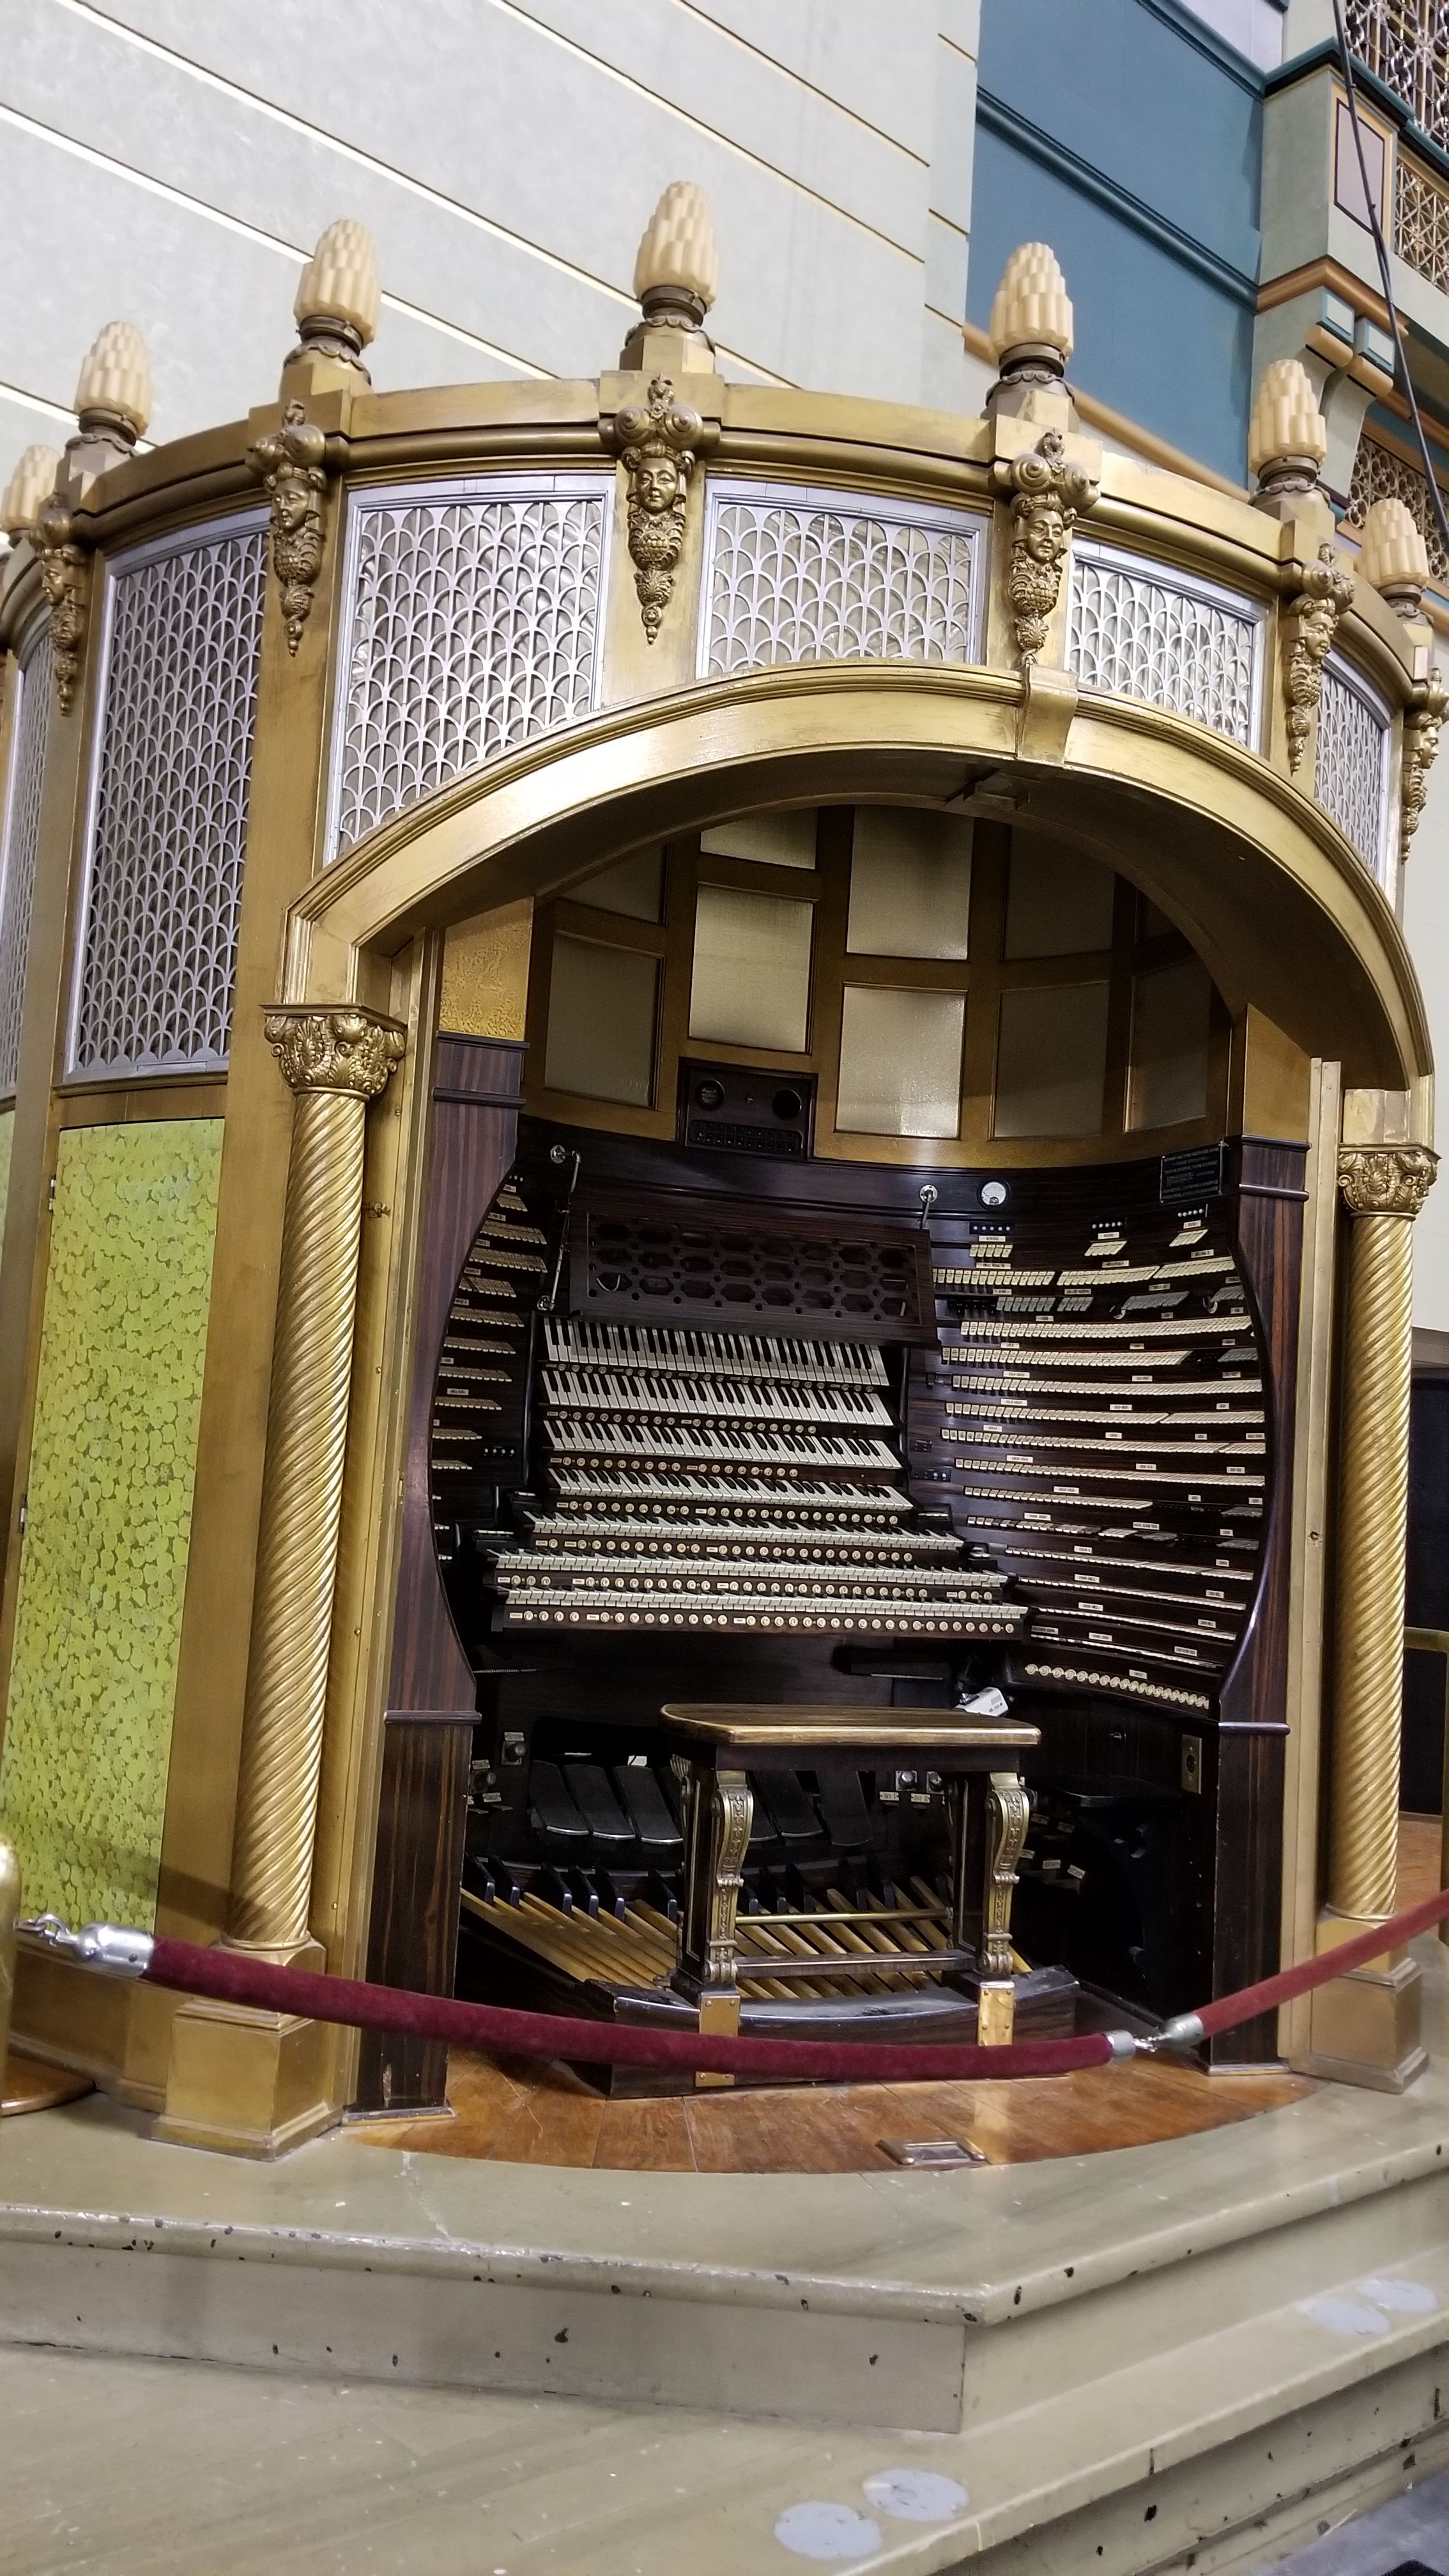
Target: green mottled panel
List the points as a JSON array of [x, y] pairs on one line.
[[83, 1780], [7, 1133]]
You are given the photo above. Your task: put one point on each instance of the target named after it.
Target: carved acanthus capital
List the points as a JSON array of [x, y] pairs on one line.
[[1423, 720], [657, 442], [1310, 623], [1047, 495], [290, 464], [1386, 1180], [65, 573], [339, 1049]]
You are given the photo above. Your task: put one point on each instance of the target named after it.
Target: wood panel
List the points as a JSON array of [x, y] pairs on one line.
[[432, 1692]]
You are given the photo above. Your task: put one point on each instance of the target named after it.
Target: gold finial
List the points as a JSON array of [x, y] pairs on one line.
[[1395, 559], [338, 297], [114, 392], [676, 274], [1287, 436], [32, 482], [1031, 317]]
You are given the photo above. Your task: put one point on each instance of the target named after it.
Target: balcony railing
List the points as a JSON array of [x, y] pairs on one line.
[[1380, 475], [1421, 220], [1406, 44]]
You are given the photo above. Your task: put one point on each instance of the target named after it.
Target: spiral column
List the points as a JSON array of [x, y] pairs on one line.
[[336, 1061]]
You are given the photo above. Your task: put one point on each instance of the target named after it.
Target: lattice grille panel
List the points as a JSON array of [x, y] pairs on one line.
[[22, 832], [1421, 222], [1133, 635], [158, 953], [1406, 42], [629, 1261], [792, 581], [1352, 767], [1378, 474], [474, 629]]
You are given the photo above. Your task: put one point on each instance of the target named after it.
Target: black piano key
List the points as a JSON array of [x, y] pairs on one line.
[[645, 1805], [792, 1813], [842, 1804], [554, 1812], [597, 1804]]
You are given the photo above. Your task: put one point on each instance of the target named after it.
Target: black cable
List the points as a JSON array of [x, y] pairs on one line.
[[1436, 498]]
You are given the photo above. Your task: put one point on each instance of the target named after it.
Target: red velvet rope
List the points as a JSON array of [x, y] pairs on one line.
[[235, 1978], [238, 1979]]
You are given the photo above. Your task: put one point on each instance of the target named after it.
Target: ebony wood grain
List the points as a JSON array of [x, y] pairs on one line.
[[432, 1694], [415, 1897]]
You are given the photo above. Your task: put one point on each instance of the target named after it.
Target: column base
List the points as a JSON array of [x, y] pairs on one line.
[[1364, 2028], [248, 2083]]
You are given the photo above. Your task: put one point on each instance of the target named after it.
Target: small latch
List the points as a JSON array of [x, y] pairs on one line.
[[24, 1511]]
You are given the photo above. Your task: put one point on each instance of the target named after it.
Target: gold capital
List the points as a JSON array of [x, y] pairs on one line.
[[1386, 1180], [341, 1048]]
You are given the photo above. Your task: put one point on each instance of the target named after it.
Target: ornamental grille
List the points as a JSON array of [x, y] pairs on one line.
[[168, 836], [1378, 475], [474, 628], [632, 1262], [21, 835], [1406, 43], [1353, 743], [1133, 634], [790, 580], [1421, 221]]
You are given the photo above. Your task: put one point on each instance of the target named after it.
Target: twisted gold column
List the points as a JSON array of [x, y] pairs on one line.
[[336, 1062], [1384, 1187]]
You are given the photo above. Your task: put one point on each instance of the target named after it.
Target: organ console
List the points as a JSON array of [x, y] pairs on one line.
[[959, 1483]]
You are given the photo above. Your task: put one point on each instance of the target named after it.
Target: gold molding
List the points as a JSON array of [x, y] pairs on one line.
[[1310, 623], [657, 443], [346, 1050], [1423, 722], [65, 574], [1047, 495], [288, 462], [1386, 1180]]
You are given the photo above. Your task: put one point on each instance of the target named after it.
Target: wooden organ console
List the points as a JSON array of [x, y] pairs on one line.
[[713, 1425]]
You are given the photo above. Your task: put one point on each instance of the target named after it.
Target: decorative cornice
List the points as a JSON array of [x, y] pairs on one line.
[[1047, 494], [1386, 1180], [337, 1047], [289, 463]]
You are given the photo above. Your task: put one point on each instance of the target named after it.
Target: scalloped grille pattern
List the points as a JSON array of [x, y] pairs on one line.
[[22, 832], [1351, 784], [793, 583], [474, 629], [158, 961], [1131, 636]]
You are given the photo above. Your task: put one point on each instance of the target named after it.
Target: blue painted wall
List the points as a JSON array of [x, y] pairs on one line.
[[1129, 137]]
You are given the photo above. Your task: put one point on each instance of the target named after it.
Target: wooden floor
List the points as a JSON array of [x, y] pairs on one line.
[[517, 2111]]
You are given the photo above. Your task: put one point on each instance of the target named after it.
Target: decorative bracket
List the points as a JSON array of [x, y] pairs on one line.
[[1047, 495], [1310, 623], [65, 573], [1423, 718], [290, 462], [657, 443]]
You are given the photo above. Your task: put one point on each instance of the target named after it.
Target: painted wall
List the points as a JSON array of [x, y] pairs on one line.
[[83, 1774], [174, 164], [1128, 136]]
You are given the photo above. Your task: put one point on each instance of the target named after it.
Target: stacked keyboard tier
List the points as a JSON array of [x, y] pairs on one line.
[[1096, 1414]]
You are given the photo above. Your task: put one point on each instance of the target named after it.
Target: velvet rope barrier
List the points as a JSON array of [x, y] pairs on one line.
[[232, 1977]]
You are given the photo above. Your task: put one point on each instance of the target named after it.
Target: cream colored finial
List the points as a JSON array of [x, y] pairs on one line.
[[1287, 436], [1395, 558], [114, 391], [32, 482], [338, 297], [676, 275], [1031, 317]]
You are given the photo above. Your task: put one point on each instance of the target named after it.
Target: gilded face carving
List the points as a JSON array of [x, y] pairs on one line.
[[658, 485], [1045, 534]]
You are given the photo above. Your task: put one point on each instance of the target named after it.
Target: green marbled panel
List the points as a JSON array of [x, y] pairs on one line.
[[7, 1132], [83, 1779]]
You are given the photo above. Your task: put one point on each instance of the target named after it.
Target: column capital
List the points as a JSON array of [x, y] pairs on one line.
[[334, 1046], [1386, 1180]]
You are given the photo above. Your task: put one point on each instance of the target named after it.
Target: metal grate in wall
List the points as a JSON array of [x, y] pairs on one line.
[[1353, 764], [804, 576], [1140, 630], [473, 627], [167, 836], [19, 841]]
